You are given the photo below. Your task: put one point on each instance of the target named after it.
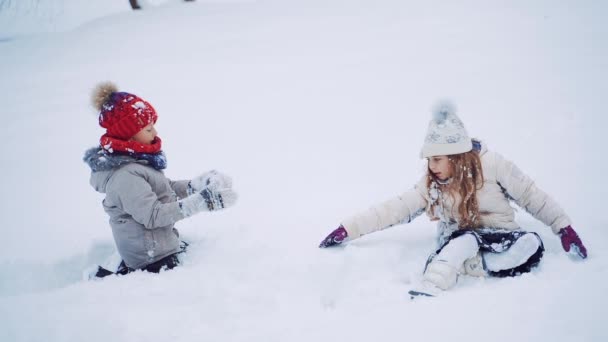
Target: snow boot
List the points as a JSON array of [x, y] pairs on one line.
[[441, 274], [438, 276], [424, 289]]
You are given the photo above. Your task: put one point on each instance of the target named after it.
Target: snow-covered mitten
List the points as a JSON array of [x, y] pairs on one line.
[[334, 238], [441, 273], [571, 240], [213, 180], [207, 200]]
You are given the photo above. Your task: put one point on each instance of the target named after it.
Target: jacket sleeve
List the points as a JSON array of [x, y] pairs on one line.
[[401, 209], [180, 187], [137, 199], [527, 195]]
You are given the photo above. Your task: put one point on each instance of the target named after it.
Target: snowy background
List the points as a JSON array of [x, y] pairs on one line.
[[317, 109]]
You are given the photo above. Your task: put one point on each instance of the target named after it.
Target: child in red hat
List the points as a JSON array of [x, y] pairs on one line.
[[143, 204]]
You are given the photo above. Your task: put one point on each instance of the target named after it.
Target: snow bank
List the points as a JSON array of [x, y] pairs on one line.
[[317, 109]]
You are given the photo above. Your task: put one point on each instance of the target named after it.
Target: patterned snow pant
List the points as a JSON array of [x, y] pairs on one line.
[[492, 240]]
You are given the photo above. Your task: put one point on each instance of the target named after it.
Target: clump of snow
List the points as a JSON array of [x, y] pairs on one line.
[[139, 105], [108, 147]]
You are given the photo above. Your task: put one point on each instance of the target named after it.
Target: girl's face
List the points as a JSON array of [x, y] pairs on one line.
[[146, 135], [440, 167]]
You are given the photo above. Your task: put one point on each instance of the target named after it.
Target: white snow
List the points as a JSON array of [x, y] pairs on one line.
[[317, 109], [139, 105]]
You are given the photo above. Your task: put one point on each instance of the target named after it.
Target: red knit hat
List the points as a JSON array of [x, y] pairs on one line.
[[122, 114]]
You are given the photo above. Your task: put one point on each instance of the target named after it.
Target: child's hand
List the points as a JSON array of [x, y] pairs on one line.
[[207, 200], [213, 180], [571, 240], [219, 199], [334, 238]]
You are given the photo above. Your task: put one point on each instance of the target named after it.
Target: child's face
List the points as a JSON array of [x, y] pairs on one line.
[[440, 167], [146, 135]]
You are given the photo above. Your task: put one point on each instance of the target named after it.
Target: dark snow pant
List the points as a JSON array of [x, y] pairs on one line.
[[493, 240], [167, 263]]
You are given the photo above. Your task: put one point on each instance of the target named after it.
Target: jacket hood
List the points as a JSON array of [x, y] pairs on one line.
[[102, 166], [99, 159]]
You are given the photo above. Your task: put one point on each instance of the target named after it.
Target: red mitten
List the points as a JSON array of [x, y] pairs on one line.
[[571, 242], [334, 238]]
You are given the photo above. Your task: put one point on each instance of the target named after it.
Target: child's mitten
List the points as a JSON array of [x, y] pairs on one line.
[[207, 200], [334, 238], [571, 240], [213, 180]]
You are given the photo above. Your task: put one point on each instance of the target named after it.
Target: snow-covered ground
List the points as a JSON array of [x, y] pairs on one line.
[[317, 109]]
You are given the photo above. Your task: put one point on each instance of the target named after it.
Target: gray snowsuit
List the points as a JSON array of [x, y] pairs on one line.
[[142, 205]]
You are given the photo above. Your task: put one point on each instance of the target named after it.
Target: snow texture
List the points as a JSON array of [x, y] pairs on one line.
[[317, 109]]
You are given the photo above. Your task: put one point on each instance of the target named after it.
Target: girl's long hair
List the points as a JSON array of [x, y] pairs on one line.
[[467, 178]]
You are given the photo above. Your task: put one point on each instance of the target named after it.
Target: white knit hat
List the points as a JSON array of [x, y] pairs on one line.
[[446, 134]]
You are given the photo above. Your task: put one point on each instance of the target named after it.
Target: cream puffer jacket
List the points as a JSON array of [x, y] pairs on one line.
[[503, 181]]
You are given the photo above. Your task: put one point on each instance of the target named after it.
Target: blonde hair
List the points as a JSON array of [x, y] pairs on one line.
[[467, 178]]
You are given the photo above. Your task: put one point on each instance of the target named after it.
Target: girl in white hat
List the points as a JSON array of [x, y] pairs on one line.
[[467, 189]]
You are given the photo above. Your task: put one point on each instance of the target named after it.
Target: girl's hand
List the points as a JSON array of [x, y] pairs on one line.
[[570, 240], [334, 238]]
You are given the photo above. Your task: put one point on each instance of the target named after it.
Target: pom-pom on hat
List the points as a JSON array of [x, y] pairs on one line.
[[122, 114], [446, 134]]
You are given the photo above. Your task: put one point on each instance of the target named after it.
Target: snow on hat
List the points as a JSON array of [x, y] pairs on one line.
[[446, 134], [122, 114]]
